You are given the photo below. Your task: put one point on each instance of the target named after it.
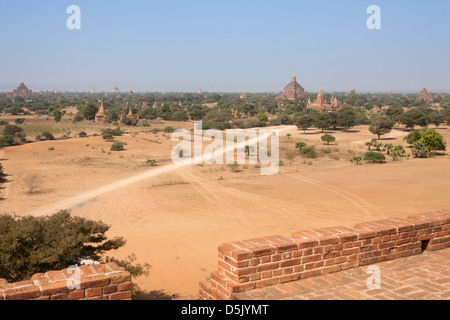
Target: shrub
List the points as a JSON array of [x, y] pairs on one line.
[[431, 139], [169, 129], [151, 162], [6, 140], [328, 138], [82, 134], [356, 159], [115, 132], [108, 136], [47, 136], [420, 150], [19, 121], [308, 152], [30, 245], [374, 156], [11, 130], [117, 146]]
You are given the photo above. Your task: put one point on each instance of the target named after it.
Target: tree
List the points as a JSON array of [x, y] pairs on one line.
[[304, 122], [89, 111], [57, 115], [346, 118], [30, 245], [11, 130], [412, 118], [436, 118], [431, 139], [394, 113], [381, 126], [323, 121], [328, 138]]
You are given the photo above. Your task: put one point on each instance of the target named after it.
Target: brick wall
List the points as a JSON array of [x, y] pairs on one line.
[[97, 282], [249, 264]]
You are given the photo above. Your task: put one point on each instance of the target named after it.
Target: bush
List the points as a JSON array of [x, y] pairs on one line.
[[420, 150], [374, 156], [117, 146], [308, 152], [108, 136], [328, 138], [115, 132], [356, 159], [6, 140], [30, 245], [11, 130], [431, 139], [169, 129], [151, 162], [19, 121], [82, 134], [47, 136]]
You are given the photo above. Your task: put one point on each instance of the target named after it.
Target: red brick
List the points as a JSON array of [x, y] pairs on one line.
[[53, 288], [289, 263], [267, 282], [241, 254], [316, 257], [244, 271], [95, 292], [76, 295], [59, 296], [127, 295], [330, 269], [265, 267], [290, 277], [22, 293], [328, 239], [94, 281], [262, 251], [55, 275], [234, 288], [124, 286], [303, 243], [310, 273], [114, 267]]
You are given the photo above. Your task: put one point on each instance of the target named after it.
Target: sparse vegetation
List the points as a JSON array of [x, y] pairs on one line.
[[118, 146], [328, 138], [374, 157]]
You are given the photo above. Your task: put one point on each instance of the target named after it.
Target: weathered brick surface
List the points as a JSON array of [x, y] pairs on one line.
[[266, 261], [102, 282]]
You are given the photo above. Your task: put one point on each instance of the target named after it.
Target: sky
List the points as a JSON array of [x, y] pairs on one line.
[[225, 46]]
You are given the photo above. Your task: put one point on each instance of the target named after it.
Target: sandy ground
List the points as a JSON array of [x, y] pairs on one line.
[[174, 220]]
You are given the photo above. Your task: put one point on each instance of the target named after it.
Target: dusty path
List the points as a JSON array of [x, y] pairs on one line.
[[87, 196]]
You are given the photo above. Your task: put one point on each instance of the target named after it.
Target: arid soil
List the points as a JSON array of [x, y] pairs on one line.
[[175, 219]]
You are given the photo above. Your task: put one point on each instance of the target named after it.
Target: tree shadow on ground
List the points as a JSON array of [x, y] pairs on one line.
[[155, 295]]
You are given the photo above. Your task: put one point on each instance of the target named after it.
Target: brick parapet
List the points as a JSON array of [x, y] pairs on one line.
[[260, 262]]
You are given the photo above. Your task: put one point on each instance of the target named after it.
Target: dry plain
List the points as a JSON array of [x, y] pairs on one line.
[[175, 220]]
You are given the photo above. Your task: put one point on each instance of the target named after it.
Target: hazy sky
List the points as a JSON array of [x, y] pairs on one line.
[[226, 45]]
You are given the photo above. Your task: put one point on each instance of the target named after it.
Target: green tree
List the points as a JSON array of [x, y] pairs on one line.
[[381, 126], [89, 111], [346, 118], [57, 115], [328, 138], [30, 245], [11, 130], [323, 121], [394, 113], [304, 122], [436, 118], [420, 150], [413, 118]]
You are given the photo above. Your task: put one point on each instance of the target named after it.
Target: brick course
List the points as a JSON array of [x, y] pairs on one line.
[[257, 263], [103, 281]]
